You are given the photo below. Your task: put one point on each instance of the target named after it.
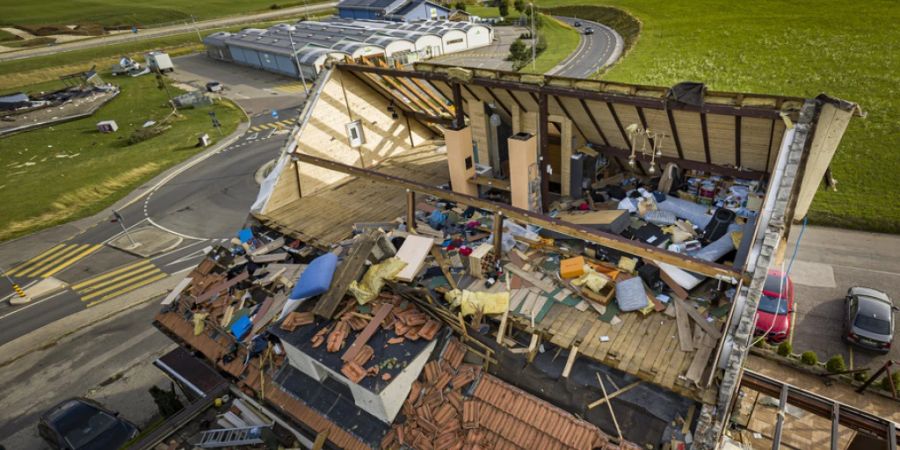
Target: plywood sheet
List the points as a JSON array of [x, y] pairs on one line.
[[413, 252]]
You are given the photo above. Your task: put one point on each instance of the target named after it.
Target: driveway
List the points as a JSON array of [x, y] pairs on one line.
[[828, 262], [492, 57]]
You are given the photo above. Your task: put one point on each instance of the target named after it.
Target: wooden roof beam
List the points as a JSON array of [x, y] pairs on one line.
[[687, 164], [613, 241]]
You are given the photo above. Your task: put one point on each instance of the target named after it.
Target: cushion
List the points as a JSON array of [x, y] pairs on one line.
[[241, 327], [316, 279], [630, 294]]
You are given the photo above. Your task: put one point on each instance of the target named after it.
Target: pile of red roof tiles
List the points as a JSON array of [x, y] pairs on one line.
[[440, 415]]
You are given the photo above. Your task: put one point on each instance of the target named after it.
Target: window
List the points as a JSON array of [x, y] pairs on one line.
[[468, 162], [355, 134], [454, 41]]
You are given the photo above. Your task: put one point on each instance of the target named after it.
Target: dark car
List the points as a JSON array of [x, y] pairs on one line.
[[588, 30], [79, 423], [869, 319], [577, 23], [773, 317]]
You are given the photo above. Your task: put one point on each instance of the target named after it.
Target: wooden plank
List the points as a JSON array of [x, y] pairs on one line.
[[501, 331], [701, 357], [694, 314], [659, 364], [176, 291], [646, 329], [614, 395], [445, 268], [646, 344], [532, 278], [607, 239], [367, 332], [221, 286], [684, 328], [659, 342], [573, 354], [413, 252], [350, 269]]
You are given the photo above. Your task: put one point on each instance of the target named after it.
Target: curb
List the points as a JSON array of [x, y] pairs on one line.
[[48, 335], [85, 223]]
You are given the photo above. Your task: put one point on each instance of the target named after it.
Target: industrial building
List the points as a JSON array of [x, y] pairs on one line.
[[307, 45], [396, 10]]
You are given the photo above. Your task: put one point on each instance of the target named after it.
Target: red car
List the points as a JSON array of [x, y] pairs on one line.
[[773, 318]]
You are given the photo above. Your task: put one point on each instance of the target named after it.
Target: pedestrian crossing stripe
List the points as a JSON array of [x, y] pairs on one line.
[[117, 282], [266, 126], [53, 260]]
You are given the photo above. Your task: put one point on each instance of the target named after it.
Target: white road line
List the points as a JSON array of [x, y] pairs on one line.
[[177, 250], [186, 236], [32, 304]]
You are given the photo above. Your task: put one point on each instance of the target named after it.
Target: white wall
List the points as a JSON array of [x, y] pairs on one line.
[[399, 46], [454, 41], [430, 41], [478, 36]]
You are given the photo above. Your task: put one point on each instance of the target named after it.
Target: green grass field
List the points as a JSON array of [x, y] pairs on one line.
[[6, 36], [561, 42], [845, 49], [125, 13], [68, 171], [491, 11]]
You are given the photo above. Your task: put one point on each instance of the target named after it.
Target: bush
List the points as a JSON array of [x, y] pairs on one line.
[[503, 8], [836, 364], [142, 134], [861, 376], [761, 343], [785, 348], [460, 5], [274, 6], [809, 358], [886, 382]]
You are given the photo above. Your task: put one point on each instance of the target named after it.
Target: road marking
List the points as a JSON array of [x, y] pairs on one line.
[[54, 260], [34, 303], [203, 251], [14, 270], [186, 236], [72, 260], [252, 137], [118, 282], [291, 88]]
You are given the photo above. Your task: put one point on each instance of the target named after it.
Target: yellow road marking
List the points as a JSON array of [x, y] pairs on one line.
[[130, 274], [130, 288], [72, 260], [122, 284], [16, 269], [256, 129], [106, 275], [48, 262]]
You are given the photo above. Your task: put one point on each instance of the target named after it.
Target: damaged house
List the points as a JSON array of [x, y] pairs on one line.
[[451, 258]]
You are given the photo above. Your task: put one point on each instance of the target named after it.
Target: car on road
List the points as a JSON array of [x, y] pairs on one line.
[[588, 30], [577, 24], [214, 86], [869, 319], [773, 317], [82, 424]]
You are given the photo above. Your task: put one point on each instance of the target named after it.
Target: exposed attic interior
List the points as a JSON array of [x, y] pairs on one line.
[[531, 176]]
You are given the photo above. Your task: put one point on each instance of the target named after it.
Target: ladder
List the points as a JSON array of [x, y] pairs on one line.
[[230, 437]]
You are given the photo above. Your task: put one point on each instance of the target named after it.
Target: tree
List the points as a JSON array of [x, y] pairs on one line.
[[503, 6], [460, 5], [519, 5]]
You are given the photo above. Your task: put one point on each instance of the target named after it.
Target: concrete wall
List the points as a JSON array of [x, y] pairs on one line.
[[398, 47], [430, 46]]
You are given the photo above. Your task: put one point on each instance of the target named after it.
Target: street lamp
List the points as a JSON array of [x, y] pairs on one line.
[[297, 61], [533, 39]]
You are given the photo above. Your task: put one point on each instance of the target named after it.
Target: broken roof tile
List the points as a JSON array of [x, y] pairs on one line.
[[353, 371], [429, 330]]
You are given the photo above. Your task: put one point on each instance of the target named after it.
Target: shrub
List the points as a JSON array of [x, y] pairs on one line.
[[274, 6], [809, 358], [886, 382], [503, 8], [836, 364], [785, 348], [761, 343], [861, 376], [460, 5], [142, 134]]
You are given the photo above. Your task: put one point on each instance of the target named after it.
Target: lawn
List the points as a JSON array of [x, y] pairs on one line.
[[7, 36], [68, 171], [125, 13], [846, 49], [562, 40], [491, 11]]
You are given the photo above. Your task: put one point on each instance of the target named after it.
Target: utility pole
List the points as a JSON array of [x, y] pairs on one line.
[[121, 221], [199, 38], [533, 39], [297, 61]]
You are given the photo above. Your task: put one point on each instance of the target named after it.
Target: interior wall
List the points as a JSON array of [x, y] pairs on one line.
[[325, 135]]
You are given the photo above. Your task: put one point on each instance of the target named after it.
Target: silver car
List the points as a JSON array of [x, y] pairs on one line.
[[869, 320]]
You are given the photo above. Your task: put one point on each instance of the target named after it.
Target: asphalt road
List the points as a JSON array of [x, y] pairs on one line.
[[110, 362], [204, 205], [829, 261], [164, 31], [594, 52]]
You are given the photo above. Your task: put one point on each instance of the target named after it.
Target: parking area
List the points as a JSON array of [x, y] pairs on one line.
[[256, 91], [829, 261], [490, 57]]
